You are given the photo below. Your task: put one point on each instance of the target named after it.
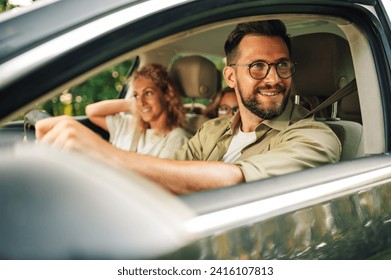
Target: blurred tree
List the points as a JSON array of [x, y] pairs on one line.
[[3, 6], [105, 85]]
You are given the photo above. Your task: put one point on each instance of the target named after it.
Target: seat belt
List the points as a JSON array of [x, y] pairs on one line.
[[336, 96]]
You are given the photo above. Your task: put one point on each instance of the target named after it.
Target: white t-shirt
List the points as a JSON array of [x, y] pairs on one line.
[[239, 141], [122, 129]]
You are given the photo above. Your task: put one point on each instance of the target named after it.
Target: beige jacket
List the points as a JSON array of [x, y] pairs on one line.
[[282, 145]]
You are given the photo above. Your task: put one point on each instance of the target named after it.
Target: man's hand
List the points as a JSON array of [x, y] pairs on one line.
[[176, 176], [66, 133]]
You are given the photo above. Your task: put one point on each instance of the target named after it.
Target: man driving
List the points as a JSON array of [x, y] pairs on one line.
[[266, 137]]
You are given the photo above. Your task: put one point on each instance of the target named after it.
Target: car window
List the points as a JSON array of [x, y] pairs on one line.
[[107, 84]]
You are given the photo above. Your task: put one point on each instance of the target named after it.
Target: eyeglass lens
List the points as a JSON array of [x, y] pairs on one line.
[[223, 109], [260, 69]]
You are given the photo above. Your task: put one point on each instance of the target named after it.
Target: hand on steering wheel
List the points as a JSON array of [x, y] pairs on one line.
[[30, 120]]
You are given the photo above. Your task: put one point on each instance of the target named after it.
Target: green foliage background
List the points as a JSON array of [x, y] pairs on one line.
[[4, 6], [105, 85]]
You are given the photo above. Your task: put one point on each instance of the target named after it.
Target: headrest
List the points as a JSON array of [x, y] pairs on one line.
[[349, 108], [195, 76], [324, 64]]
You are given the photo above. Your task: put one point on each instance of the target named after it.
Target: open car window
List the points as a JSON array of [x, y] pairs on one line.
[[107, 84]]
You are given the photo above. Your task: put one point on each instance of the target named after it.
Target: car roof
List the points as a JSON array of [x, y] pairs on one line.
[[44, 19], [23, 28]]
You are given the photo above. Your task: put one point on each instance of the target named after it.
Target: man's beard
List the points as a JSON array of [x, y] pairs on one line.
[[258, 109]]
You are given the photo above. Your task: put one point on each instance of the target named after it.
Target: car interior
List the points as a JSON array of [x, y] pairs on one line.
[[196, 76], [325, 53], [325, 66], [329, 52]]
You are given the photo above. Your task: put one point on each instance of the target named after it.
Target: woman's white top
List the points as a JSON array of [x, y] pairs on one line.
[[122, 129]]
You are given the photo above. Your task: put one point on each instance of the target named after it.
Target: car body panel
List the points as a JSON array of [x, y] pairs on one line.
[[324, 225], [46, 214]]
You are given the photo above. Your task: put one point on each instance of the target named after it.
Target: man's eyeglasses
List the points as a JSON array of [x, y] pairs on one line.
[[260, 69], [225, 110]]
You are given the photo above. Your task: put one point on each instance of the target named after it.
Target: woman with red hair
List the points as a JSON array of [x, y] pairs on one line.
[[151, 121]]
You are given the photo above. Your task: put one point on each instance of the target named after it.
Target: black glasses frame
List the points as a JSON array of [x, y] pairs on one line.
[[228, 108], [269, 65]]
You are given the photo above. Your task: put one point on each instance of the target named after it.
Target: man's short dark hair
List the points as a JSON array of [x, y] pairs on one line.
[[261, 28]]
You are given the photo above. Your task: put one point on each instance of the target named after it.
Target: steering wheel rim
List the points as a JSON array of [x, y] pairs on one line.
[[30, 119]]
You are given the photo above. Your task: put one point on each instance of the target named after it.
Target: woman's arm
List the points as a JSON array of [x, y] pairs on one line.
[[97, 112]]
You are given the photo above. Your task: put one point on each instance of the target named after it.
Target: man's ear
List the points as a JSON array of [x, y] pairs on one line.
[[229, 76]]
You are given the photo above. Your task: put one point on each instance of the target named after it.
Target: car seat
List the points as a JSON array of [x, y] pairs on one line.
[[195, 76], [324, 65]]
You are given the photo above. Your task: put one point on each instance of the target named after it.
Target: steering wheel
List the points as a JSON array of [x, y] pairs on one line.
[[35, 115], [30, 120]]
